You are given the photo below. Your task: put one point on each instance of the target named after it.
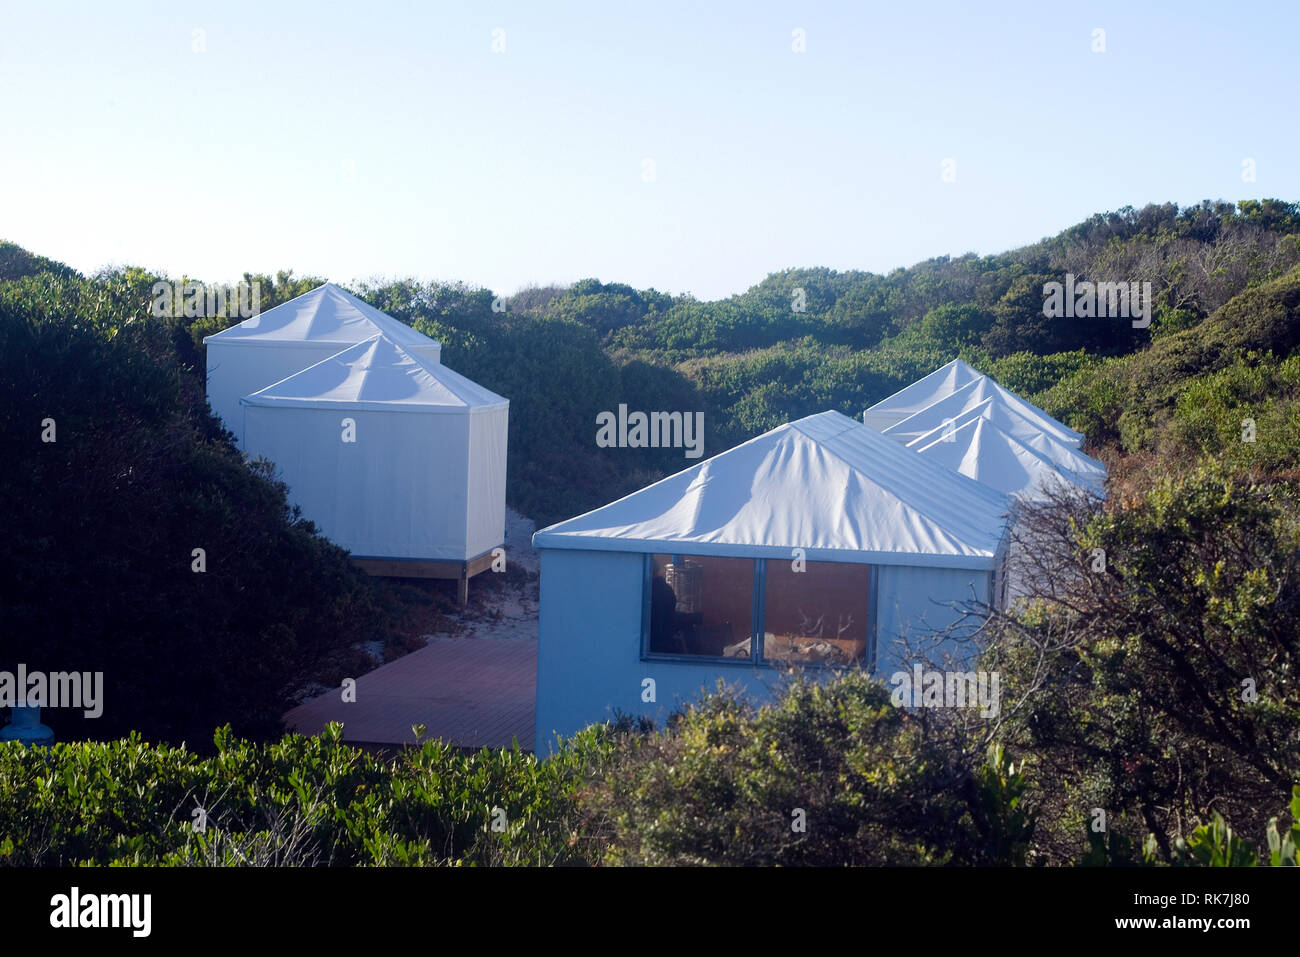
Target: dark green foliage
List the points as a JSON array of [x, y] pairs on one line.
[[1164, 687], [1029, 375], [605, 307], [294, 802], [949, 325], [832, 774], [1000, 814], [756, 391], [1214, 416], [1131, 399], [96, 573], [1216, 844], [16, 262]]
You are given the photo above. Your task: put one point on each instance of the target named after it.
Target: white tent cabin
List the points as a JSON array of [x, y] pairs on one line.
[[292, 336], [969, 395], [819, 543], [1073, 463], [980, 450], [975, 426], [397, 459]]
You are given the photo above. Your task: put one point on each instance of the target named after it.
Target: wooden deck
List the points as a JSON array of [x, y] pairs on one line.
[[470, 692]]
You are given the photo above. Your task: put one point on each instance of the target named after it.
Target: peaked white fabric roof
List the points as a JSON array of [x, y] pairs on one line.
[[971, 394], [326, 314], [825, 483], [1023, 430], [378, 374], [1070, 459], [923, 392], [980, 450]]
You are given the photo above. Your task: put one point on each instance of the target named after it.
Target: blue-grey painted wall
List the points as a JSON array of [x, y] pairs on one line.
[[589, 654], [916, 605]]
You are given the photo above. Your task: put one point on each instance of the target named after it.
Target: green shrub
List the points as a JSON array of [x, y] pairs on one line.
[[293, 802], [98, 569], [1164, 685], [1216, 845], [830, 774]]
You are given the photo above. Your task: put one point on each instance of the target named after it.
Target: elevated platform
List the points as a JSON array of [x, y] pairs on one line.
[[462, 572]]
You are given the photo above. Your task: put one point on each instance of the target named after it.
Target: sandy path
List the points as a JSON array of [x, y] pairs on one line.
[[507, 607]]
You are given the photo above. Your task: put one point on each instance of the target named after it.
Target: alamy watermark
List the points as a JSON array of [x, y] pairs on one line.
[[57, 689], [1098, 300], [921, 688], [196, 300], [651, 430], [75, 909]]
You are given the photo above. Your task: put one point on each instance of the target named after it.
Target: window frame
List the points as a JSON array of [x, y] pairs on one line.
[[758, 615]]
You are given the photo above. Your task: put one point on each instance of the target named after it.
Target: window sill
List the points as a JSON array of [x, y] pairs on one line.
[[768, 664]]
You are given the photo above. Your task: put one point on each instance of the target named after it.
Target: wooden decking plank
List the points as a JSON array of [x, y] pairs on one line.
[[470, 692]]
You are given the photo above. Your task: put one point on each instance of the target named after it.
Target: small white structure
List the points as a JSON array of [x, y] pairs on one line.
[[292, 336], [391, 455], [820, 542]]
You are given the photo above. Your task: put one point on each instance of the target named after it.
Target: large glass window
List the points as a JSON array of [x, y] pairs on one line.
[[701, 605], [817, 612]]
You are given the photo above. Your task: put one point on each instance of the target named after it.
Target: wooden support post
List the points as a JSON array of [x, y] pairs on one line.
[[462, 586]]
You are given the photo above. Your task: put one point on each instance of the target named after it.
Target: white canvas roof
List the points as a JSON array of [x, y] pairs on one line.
[[327, 314], [980, 450], [1070, 459], [969, 395], [825, 483], [267, 348], [1022, 430], [380, 375], [422, 471], [923, 392]]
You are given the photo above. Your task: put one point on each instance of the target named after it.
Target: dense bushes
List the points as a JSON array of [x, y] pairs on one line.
[[98, 572], [1159, 686], [1247, 415], [1130, 399], [832, 774], [16, 262], [295, 802]]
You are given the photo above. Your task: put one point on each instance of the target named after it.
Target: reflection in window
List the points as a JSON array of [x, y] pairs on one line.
[[818, 615], [701, 605]]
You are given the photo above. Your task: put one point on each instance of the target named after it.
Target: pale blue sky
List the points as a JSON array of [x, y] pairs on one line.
[[388, 139]]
